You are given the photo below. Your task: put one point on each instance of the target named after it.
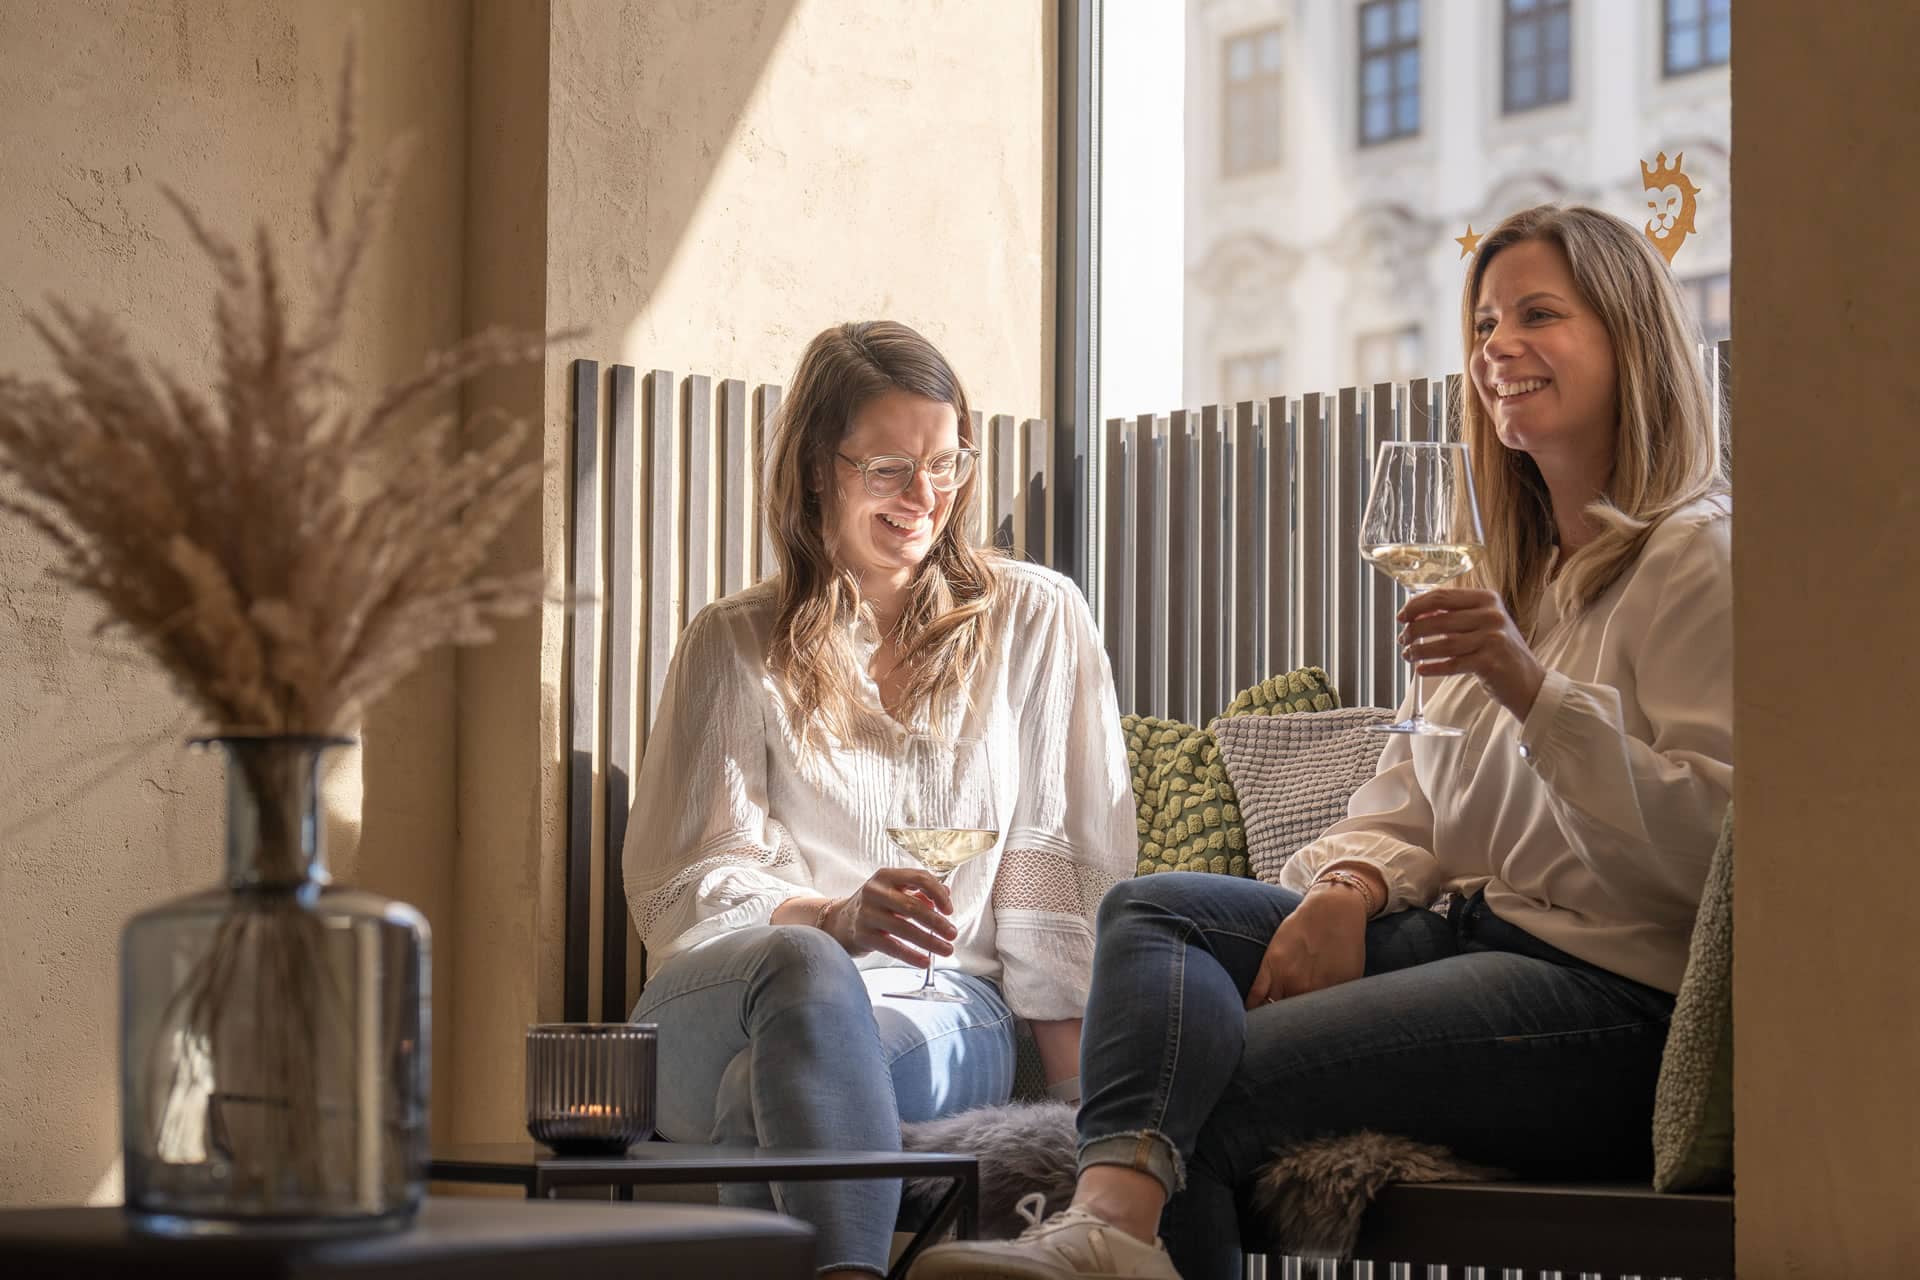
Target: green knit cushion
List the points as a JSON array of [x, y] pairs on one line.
[[1187, 815], [1693, 1103]]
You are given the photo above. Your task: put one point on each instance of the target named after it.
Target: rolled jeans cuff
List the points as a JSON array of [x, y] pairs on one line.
[[1143, 1150]]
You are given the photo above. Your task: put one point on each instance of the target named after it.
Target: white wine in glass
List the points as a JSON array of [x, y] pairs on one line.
[[1422, 529], [943, 815]]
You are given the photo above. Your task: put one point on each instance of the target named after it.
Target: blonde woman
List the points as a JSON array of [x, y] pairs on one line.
[[1570, 827], [758, 871]]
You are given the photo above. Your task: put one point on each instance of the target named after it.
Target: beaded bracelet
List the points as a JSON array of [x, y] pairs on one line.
[[1354, 881]]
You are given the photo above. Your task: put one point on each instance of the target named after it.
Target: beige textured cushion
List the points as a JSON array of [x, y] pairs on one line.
[[1294, 774], [1693, 1103]]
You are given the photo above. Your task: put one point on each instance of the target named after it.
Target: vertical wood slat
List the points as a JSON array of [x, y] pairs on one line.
[[1382, 426], [622, 738], [662, 450], [583, 687], [1311, 641], [1183, 583], [1246, 586], [1005, 433], [1148, 549], [1038, 544], [1113, 567], [736, 488], [983, 489], [702, 545], [1420, 418], [1211, 632], [766, 404], [1346, 460], [1279, 537]]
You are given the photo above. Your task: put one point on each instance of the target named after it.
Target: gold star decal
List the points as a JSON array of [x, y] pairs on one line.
[[1468, 242]]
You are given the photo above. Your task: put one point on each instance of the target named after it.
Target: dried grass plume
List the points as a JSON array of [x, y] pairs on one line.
[[285, 549]]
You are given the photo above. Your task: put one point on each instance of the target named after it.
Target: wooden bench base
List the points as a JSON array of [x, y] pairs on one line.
[[1610, 1228]]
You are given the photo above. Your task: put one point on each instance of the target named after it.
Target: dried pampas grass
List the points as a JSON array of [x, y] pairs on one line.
[[286, 553]]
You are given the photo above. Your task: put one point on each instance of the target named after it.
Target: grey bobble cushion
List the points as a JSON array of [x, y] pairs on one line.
[[1294, 774]]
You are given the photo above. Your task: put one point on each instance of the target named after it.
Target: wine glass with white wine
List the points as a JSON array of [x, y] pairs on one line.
[[1421, 528], [943, 813]]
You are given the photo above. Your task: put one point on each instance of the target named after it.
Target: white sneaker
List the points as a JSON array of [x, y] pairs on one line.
[[1071, 1245]]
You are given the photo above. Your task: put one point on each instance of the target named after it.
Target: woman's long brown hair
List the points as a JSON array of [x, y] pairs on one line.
[[939, 634]]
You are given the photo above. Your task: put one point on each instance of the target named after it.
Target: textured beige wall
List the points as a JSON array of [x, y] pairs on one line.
[[102, 813], [721, 181], [703, 186], [1826, 561]]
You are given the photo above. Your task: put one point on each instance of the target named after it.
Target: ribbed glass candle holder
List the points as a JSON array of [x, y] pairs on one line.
[[590, 1085]]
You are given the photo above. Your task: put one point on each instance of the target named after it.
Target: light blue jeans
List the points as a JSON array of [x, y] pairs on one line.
[[772, 1037]]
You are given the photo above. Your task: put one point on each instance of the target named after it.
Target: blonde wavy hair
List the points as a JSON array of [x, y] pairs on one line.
[[940, 633], [1666, 447]]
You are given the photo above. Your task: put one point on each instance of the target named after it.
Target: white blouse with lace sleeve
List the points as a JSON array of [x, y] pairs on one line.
[[731, 818]]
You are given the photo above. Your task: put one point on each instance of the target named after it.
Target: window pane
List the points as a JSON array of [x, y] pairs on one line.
[[1406, 115], [1408, 26], [1376, 78], [1407, 70], [1270, 50], [1374, 126], [1523, 39], [1557, 89], [1519, 6], [1683, 48], [1719, 39], [1523, 85], [1719, 8], [1558, 34], [1239, 60], [1374, 21]]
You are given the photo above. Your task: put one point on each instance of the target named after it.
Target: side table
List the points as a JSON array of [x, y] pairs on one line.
[[541, 1172], [452, 1239]]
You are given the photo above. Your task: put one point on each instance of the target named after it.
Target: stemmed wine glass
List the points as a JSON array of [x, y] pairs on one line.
[[1421, 528], [943, 813]]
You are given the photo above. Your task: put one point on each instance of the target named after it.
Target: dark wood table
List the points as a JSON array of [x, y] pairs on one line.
[[452, 1239], [652, 1164]]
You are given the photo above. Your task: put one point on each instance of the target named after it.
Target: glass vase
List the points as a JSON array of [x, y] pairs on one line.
[[274, 1031]]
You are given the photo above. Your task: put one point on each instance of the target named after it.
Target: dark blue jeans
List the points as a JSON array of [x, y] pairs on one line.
[[1466, 1032]]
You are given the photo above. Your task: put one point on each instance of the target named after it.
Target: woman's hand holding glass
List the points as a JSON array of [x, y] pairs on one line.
[[900, 911], [1459, 631]]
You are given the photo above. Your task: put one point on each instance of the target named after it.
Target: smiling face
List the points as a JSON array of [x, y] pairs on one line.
[[1543, 365], [883, 540]]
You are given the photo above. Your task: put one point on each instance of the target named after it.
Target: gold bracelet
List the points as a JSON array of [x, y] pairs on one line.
[[820, 916], [1354, 881]]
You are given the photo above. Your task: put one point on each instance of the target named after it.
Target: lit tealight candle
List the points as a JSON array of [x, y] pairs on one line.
[[595, 1109]]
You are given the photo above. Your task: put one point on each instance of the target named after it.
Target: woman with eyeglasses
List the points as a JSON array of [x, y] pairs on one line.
[[759, 874]]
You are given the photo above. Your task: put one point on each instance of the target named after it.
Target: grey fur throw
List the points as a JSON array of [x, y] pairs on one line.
[[1313, 1195]]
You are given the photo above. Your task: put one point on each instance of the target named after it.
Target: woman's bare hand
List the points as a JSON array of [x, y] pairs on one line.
[[1321, 944], [900, 911], [1452, 631]]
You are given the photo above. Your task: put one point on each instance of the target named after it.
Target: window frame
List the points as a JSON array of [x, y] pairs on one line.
[[1700, 17], [1249, 88], [1535, 18], [1391, 52]]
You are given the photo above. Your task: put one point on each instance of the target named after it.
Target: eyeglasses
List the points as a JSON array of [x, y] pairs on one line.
[[889, 474]]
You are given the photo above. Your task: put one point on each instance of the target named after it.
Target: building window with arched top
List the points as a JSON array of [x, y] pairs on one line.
[[1389, 70], [1391, 355], [1252, 375], [1536, 46], [1250, 102]]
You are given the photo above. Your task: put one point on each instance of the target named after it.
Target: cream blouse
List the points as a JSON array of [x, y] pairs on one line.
[[730, 818], [1591, 824]]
